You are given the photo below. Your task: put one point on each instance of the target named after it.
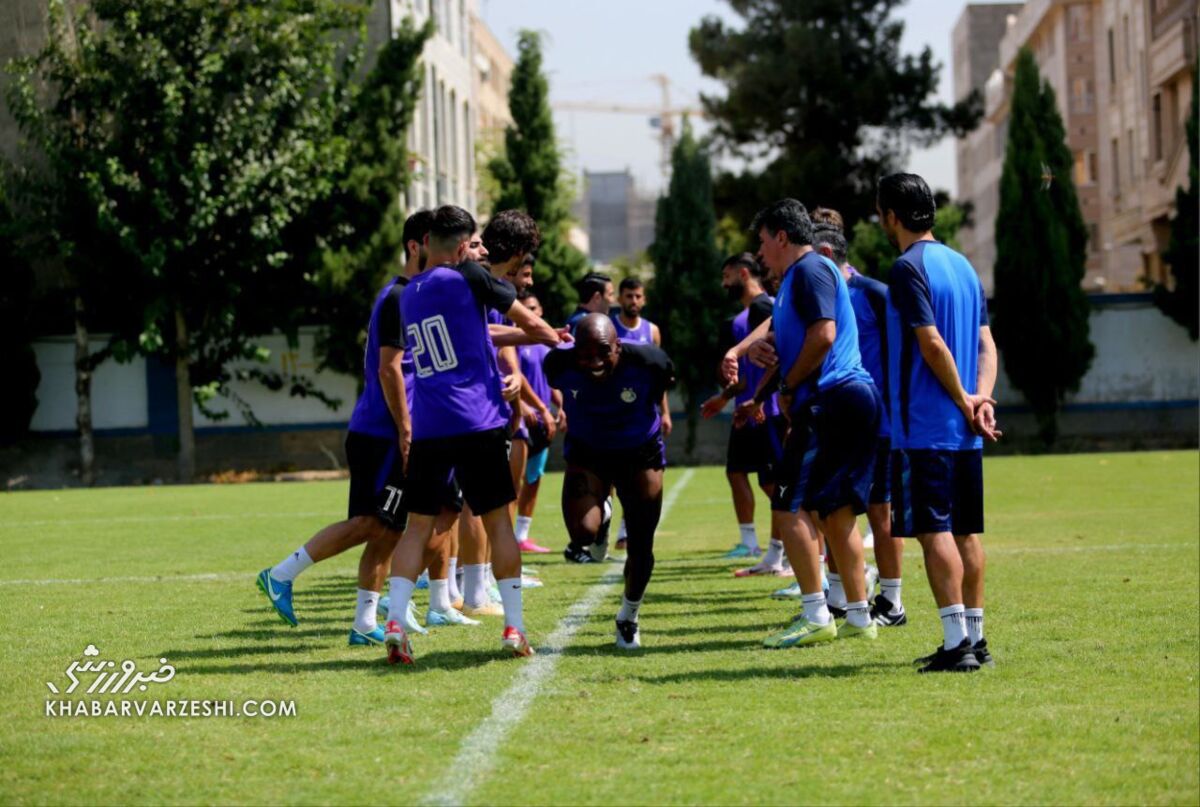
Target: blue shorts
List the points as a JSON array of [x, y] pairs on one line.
[[937, 491], [535, 466], [881, 481], [829, 458], [757, 449]]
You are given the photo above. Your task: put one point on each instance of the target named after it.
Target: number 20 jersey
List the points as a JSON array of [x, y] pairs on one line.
[[457, 383]]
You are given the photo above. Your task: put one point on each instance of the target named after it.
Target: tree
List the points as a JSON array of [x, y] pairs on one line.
[[819, 91], [18, 365], [529, 176], [206, 128], [1181, 302], [1040, 311], [687, 286], [872, 254]]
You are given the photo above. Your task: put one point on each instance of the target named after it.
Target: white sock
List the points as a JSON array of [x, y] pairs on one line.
[[954, 625], [490, 578], [475, 584], [521, 529], [365, 620], [510, 595], [290, 567], [974, 618], [439, 595], [857, 614], [815, 610], [629, 610], [400, 591], [621, 533], [837, 594], [890, 588], [452, 580], [749, 536], [774, 556]]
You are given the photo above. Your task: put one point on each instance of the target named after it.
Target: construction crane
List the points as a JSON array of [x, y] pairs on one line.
[[661, 117]]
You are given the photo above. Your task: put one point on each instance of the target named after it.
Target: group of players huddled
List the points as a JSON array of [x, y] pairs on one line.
[[851, 397]]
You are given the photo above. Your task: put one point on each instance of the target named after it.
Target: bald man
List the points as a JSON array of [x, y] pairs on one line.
[[610, 392]]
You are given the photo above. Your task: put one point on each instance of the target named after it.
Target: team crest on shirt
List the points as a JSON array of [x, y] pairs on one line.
[[628, 395]]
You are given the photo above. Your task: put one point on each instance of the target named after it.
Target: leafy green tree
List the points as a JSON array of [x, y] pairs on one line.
[[18, 365], [820, 91], [529, 176], [687, 284], [1181, 302], [872, 254], [1040, 314]]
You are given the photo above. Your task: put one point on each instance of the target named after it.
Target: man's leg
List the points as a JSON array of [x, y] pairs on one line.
[[743, 508], [473, 557], [974, 561], [407, 561], [844, 543], [889, 557], [456, 598], [944, 568], [372, 570], [583, 497], [535, 467], [641, 499]]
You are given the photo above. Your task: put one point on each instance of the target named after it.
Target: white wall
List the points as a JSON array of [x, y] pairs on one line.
[[118, 390]]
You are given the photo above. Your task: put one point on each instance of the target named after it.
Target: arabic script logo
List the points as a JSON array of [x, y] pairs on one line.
[[110, 678]]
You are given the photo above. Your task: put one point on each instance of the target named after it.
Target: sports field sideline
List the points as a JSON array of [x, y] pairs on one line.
[[1093, 588]]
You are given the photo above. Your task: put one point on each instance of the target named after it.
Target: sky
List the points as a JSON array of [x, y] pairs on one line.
[[607, 51]]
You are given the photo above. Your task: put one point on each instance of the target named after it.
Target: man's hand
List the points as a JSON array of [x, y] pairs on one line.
[[564, 336], [984, 423], [511, 387], [969, 407], [561, 420], [713, 406], [729, 367], [548, 422], [762, 354], [748, 412]]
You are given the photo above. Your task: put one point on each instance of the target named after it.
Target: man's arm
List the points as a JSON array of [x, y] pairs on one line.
[[729, 364], [941, 364], [531, 398], [391, 379], [510, 336], [655, 335], [985, 384], [533, 325], [818, 339], [512, 378]]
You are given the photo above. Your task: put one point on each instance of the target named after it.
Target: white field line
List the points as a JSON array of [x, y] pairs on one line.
[[16, 524], [477, 756]]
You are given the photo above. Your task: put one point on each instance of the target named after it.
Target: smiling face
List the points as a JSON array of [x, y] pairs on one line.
[[597, 358], [521, 277], [476, 251]]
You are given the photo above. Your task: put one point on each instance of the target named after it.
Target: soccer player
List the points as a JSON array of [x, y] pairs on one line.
[[540, 429], [610, 391], [379, 435], [755, 446], [941, 372], [834, 407], [458, 419], [595, 297]]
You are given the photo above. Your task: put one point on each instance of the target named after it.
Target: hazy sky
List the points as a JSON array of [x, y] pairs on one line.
[[607, 51]]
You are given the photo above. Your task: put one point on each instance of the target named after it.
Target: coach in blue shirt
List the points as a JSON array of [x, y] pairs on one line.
[[941, 371]]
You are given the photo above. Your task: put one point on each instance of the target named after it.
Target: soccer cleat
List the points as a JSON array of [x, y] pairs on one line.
[[438, 619], [760, 568], [529, 571], [958, 659], [493, 592], [457, 604], [742, 551], [410, 620], [279, 592], [848, 631], [884, 614], [628, 635], [515, 642], [359, 639], [487, 609], [531, 582], [802, 633], [982, 654], [535, 548], [574, 554], [599, 550], [785, 571], [872, 577], [792, 592], [399, 649], [423, 581]]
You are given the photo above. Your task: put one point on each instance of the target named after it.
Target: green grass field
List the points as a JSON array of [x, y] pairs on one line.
[[1094, 586]]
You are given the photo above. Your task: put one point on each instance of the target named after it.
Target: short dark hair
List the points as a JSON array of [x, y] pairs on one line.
[[909, 197], [630, 283], [828, 235], [827, 215], [510, 233], [416, 227], [747, 261], [525, 294], [593, 283], [450, 225], [787, 215]]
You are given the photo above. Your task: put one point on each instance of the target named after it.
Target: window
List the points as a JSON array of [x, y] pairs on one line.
[[1079, 23], [1093, 236], [1156, 132], [1128, 46], [1085, 163], [1081, 95], [1132, 159], [1093, 166], [1112, 59], [1116, 166]]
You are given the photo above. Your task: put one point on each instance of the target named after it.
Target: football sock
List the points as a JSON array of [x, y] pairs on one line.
[[290, 567], [815, 610], [749, 536], [890, 588], [629, 610], [439, 595], [400, 591], [837, 594], [364, 615], [974, 624], [774, 556], [510, 595], [521, 529], [954, 626], [475, 584], [857, 614], [452, 580], [490, 578]]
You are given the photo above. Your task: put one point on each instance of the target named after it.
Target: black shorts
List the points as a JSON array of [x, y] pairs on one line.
[[614, 465], [445, 470], [757, 449], [881, 481], [937, 491], [376, 479], [829, 459]]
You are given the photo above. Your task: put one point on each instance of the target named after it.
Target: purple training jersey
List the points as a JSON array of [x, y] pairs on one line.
[[457, 382], [752, 316], [386, 329], [641, 334], [619, 412], [532, 357]]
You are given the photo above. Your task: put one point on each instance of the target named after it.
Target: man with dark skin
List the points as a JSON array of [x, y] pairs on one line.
[[611, 392]]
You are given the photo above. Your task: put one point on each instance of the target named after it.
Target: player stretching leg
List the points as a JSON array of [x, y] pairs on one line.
[[540, 427], [458, 419], [611, 391]]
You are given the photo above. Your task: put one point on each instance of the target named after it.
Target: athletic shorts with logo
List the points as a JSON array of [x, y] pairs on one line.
[[757, 449], [829, 457], [937, 491], [615, 466], [476, 463], [376, 479]]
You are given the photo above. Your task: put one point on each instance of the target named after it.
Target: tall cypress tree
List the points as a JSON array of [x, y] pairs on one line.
[[529, 177], [687, 283], [1041, 312], [1182, 303]]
